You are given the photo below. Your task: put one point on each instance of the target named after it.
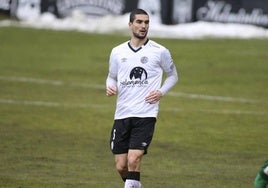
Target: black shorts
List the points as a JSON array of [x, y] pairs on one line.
[[132, 133]]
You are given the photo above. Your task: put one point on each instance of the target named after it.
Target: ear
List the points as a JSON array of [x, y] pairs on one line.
[[129, 24]]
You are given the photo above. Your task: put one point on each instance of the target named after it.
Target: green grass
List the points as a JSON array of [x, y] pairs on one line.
[[4, 16], [55, 118]]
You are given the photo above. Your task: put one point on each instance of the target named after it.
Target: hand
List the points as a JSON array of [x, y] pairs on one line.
[[153, 97], [111, 90]]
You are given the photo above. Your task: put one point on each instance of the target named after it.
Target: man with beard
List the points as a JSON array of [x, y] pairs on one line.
[[135, 75]]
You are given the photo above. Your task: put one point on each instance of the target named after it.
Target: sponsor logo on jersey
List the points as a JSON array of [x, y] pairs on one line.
[[138, 72], [137, 77]]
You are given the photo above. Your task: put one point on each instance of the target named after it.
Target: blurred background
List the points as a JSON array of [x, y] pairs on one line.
[[170, 11]]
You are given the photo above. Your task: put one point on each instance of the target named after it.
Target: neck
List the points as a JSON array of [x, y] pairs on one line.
[[136, 42]]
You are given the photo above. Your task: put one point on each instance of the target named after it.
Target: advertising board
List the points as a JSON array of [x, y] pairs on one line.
[[232, 11]]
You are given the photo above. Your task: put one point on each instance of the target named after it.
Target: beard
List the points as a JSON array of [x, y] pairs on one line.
[[140, 36]]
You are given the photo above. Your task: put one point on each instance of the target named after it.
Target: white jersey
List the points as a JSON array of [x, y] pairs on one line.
[[137, 72]]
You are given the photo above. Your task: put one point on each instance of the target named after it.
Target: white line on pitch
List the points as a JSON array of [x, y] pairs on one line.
[[50, 104], [51, 82], [99, 86], [103, 107], [215, 98], [226, 112]]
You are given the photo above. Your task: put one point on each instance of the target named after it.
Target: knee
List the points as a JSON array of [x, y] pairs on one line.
[[121, 168], [134, 161]]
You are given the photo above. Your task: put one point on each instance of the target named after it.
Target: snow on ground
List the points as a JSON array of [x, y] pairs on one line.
[[119, 24]]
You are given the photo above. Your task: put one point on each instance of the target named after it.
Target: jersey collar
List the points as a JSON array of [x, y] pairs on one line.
[[138, 49]]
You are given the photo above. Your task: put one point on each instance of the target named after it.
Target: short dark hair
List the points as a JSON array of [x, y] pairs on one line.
[[135, 12]]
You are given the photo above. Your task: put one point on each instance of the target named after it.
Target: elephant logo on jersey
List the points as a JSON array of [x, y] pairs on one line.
[[138, 78], [138, 73]]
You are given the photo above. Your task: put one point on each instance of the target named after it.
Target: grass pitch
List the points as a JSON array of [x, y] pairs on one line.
[[56, 120]]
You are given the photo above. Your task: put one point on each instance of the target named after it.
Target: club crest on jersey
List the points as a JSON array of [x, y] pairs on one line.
[[144, 60]]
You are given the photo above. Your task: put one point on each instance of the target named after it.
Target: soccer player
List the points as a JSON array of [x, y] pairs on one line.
[[261, 180], [135, 75]]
